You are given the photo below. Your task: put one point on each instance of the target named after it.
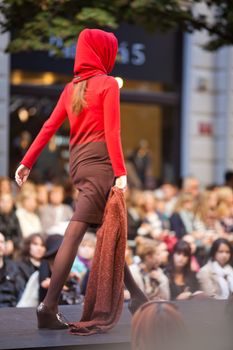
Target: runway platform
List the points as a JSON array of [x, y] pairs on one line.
[[18, 330], [205, 319]]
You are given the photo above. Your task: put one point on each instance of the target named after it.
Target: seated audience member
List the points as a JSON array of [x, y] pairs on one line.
[[194, 262], [85, 254], [134, 198], [71, 290], [163, 254], [37, 285], [191, 185], [42, 193], [56, 213], [158, 325], [82, 263], [216, 277], [170, 193], [181, 221], [147, 274], [206, 224], [32, 253], [11, 283], [225, 209], [26, 213], [153, 223], [161, 208], [5, 185], [182, 281], [9, 224]]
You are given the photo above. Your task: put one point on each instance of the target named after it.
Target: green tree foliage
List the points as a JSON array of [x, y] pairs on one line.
[[32, 23]]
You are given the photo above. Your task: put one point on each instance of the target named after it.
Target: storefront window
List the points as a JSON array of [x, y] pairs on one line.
[[148, 69], [150, 128], [152, 125]]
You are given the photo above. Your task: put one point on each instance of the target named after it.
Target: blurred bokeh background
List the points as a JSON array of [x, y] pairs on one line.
[[175, 96], [175, 71]]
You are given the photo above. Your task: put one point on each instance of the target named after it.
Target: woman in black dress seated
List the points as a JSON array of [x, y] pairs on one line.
[[32, 253], [182, 281]]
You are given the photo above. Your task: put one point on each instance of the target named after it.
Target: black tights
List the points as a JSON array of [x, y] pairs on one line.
[[64, 260]]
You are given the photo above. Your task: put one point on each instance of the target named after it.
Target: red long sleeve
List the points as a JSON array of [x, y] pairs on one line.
[[111, 107], [100, 121], [47, 131]]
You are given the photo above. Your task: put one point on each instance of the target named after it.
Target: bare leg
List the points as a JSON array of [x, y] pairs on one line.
[[63, 262]]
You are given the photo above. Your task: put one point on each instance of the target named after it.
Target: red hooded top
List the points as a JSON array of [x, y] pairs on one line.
[[95, 54], [100, 120]]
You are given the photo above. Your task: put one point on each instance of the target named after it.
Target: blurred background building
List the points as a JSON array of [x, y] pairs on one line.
[[207, 119], [4, 106], [175, 106], [150, 99]]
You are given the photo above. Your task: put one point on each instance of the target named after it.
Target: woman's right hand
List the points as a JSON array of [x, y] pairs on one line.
[[121, 182], [21, 174]]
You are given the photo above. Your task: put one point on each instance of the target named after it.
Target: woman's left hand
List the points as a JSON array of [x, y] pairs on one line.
[[121, 182], [21, 174]]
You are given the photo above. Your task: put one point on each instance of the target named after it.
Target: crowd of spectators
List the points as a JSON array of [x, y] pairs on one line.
[[179, 241]]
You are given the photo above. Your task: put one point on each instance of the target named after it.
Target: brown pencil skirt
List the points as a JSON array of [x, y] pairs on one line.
[[92, 175]]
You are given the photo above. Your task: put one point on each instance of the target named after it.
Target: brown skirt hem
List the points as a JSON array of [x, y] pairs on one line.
[[92, 175], [88, 219]]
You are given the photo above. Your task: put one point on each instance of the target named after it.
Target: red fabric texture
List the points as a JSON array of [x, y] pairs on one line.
[[104, 297], [95, 54], [100, 120]]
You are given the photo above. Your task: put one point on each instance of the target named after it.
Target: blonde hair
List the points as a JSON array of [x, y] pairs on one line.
[[5, 179], [224, 194], [145, 246], [182, 199], [78, 99], [147, 197], [28, 186], [203, 205], [24, 195], [225, 197]]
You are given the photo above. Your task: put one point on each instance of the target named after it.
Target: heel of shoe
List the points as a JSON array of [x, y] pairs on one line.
[[42, 323], [46, 319]]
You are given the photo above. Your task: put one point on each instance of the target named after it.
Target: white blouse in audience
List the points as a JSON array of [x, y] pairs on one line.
[[29, 222]]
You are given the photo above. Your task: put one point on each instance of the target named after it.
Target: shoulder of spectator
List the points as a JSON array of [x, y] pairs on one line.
[[205, 270], [11, 266]]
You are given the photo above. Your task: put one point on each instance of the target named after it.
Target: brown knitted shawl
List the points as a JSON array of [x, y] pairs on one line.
[[105, 293]]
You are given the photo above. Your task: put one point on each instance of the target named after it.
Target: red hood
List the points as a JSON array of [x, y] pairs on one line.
[[95, 54]]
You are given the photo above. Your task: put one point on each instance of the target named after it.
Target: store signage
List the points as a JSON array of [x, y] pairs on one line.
[[205, 129], [141, 56], [128, 53]]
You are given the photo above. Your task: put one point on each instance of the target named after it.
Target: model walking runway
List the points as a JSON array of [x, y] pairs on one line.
[[91, 104]]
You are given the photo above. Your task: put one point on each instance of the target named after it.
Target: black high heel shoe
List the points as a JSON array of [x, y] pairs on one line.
[[49, 319]]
